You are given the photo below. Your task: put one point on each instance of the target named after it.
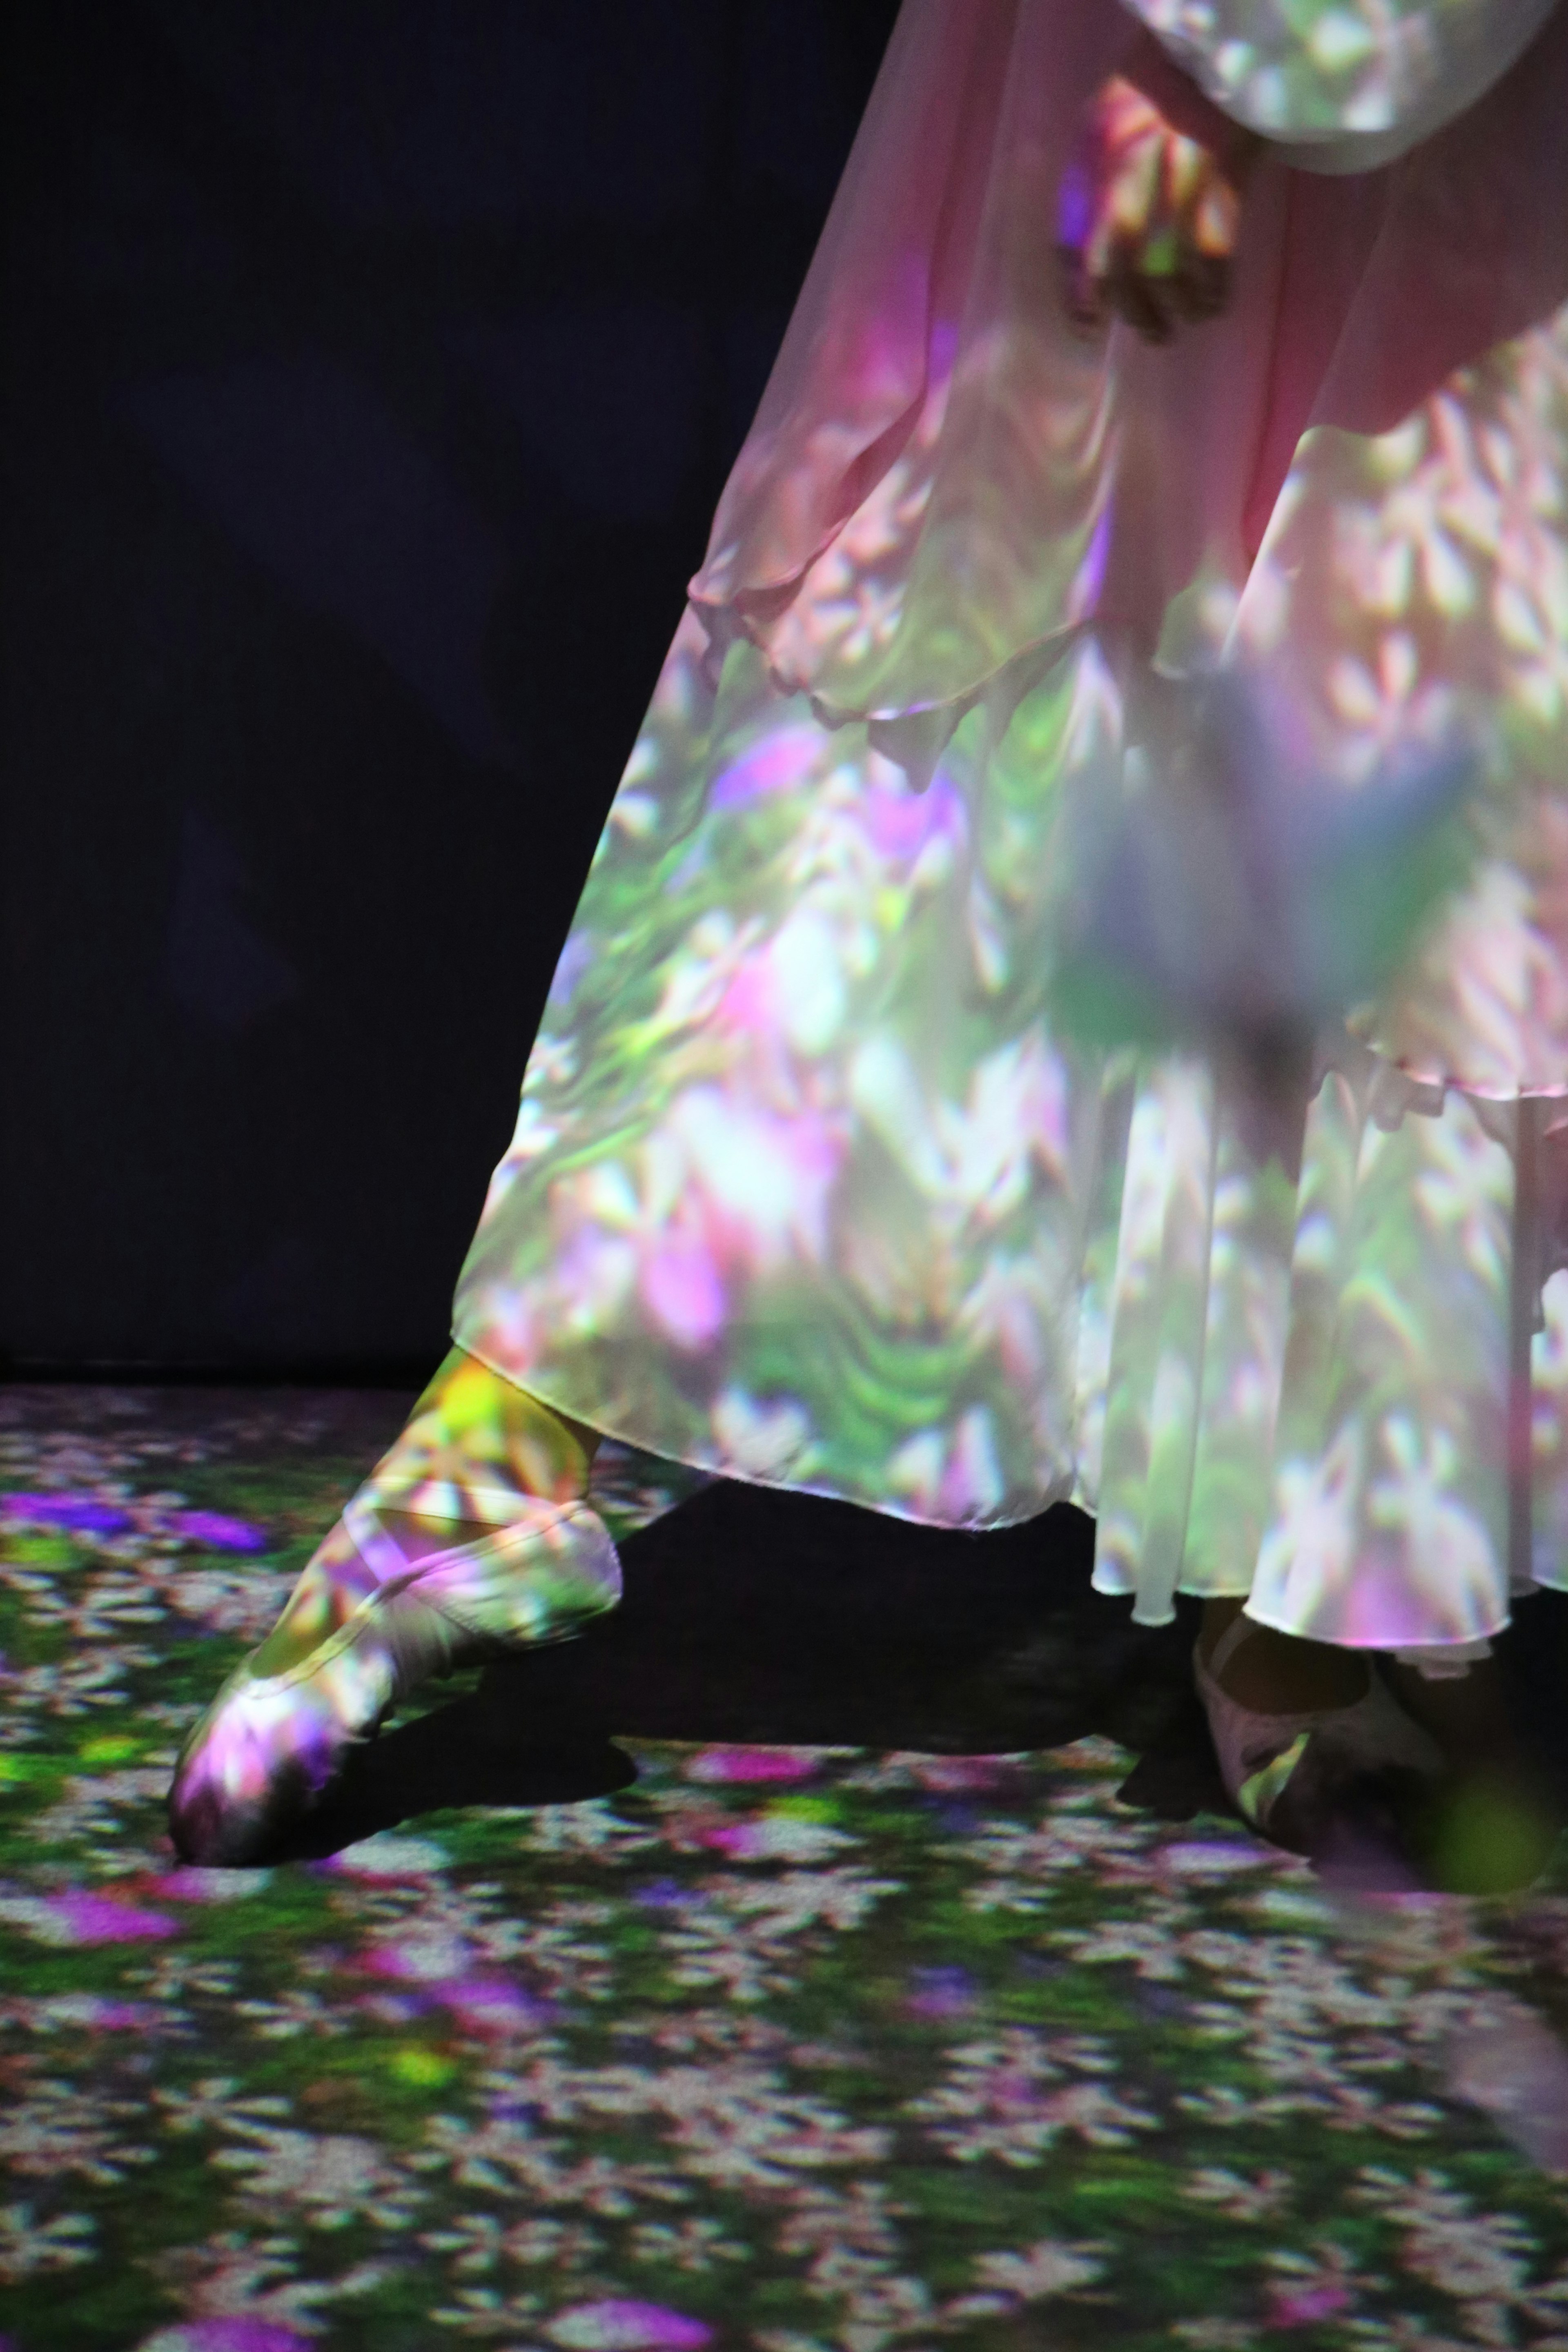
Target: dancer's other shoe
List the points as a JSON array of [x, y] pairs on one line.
[[1302, 1776], [473, 1534]]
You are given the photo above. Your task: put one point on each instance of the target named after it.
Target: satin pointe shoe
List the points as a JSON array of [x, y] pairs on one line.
[[378, 1611], [1294, 1776]]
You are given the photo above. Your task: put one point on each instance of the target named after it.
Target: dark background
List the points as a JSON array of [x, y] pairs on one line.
[[371, 369]]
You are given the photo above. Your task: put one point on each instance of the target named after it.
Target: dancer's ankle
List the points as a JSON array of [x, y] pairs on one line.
[[474, 1450], [472, 1425], [472, 1441]]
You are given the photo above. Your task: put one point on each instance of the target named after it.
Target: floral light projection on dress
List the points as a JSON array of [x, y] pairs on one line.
[[815, 1182], [1344, 71]]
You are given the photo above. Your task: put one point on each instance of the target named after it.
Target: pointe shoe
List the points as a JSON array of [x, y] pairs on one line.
[[369, 1622], [270, 1743], [1294, 1776]]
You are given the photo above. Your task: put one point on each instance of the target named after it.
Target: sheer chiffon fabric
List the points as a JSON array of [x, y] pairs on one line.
[[809, 1184]]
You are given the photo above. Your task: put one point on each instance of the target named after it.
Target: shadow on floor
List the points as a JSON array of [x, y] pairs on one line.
[[765, 1617]]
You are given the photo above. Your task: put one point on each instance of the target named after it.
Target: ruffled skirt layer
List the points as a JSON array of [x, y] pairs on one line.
[[812, 1182], [808, 1189]]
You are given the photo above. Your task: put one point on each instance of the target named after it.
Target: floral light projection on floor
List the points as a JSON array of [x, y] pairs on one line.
[[799, 2050]]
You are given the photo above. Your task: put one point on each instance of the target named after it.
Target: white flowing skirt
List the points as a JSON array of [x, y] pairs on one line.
[[812, 1182]]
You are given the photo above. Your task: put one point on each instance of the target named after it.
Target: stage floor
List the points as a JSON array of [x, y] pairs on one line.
[[845, 1947]]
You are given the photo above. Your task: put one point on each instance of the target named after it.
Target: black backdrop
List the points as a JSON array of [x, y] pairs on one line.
[[371, 370]]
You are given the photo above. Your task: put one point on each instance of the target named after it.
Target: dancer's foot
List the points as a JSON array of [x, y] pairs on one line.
[[1310, 1739], [472, 1534]]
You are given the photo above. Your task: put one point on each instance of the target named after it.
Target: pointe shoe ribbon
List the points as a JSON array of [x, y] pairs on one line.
[[271, 1742], [1284, 1772]]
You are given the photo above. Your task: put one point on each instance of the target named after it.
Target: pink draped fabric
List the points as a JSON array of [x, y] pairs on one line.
[[932, 406]]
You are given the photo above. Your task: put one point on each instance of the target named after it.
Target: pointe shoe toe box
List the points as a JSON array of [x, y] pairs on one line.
[[270, 1743], [258, 1759]]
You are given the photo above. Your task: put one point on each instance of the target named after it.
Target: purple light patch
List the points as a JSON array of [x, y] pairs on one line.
[[219, 1531], [89, 1515], [899, 824], [962, 1774], [956, 1820], [1306, 2306], [618, 2325], [492, 2005], [776, 764], [234, 2336], [1075, 207], [938, 1993], [576, 957], [741, 1841], [77, 1514], [661, 1895], [395, 2007], [748, 1764], [682, 1287], [1211, 1857], [113, 2017], [1091, 579], [99, 1919]]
